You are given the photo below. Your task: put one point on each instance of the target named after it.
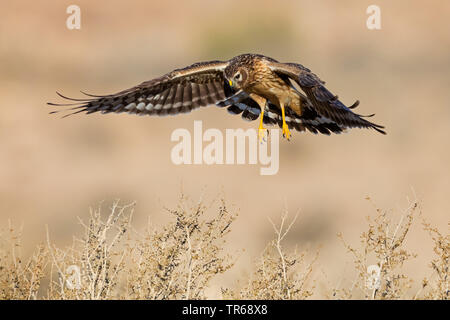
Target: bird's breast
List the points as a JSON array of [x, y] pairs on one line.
[[269, 86]]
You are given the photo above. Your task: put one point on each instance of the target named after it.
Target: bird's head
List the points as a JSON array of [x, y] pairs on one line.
[[236, 77]]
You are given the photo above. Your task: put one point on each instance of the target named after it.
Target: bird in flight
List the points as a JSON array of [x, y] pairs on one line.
[[252, 84]]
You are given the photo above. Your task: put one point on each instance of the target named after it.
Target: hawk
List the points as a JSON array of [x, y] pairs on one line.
[[252, 84]]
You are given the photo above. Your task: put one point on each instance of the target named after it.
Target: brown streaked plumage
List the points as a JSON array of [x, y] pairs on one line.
[[251, 84]]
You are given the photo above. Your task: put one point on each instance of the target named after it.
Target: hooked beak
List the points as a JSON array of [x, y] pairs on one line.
[[230, 83]]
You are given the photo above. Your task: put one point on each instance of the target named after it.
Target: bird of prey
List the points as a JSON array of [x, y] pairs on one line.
[[251, 84]]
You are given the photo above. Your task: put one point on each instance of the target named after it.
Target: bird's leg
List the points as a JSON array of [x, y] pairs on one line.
[[262, 104], [285, 128], [261, 130]]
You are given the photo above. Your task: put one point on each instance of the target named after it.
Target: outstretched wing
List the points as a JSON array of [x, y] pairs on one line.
[[179, 91], [322, 100]]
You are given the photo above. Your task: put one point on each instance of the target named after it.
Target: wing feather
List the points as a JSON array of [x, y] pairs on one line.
[[322, 100], [220, 91], [186, 102], [196, 100], [203, 95]]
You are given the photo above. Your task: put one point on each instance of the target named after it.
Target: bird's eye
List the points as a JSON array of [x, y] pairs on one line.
[[238, 76]]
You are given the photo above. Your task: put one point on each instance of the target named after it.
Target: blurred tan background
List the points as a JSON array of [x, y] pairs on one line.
[[52, 169]]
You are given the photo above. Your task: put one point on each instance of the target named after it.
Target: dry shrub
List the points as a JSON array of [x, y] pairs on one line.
[[91, 267], [19, 279], [379, 261], [382, 254], [178, 261], [110, 261], [437, 287], [279, 275]]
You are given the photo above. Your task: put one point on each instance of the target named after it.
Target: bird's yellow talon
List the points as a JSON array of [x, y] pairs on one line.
[[261, 129], [262, 133], [286, 132]]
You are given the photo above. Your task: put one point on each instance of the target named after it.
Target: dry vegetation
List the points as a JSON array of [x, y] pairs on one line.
[[278, 274], [112, 260]]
